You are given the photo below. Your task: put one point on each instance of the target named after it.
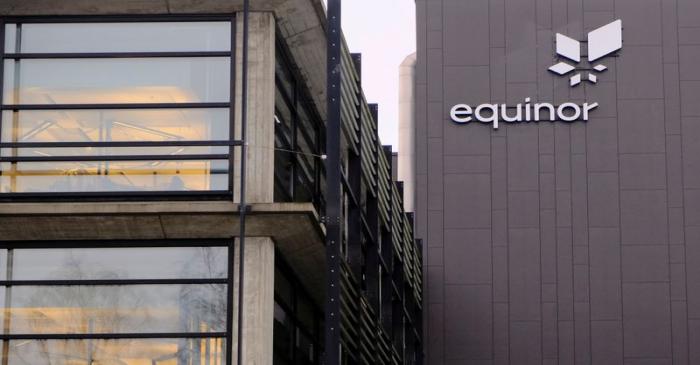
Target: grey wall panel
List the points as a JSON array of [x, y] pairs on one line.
[[641, 127], [643, 217], [605, 271], [468, 256], [688, 11], [566, 341], [525, 336], [436, 329], [687, 35], [640, 73], [469, 308], [672, 98], [524, 274], [690, 98], [643, 171], [647, 320], [692, 212], [603, 200], [679, 324], [469, 47], [691, 153], [606, 344], [555, 242], [641, 21]]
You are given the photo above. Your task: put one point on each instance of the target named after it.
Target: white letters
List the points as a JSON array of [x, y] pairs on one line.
[[527, 110], [493, 108], [586, 108], [549, 107], [518, 113], [568, 118], [461, 113], [493, 113]]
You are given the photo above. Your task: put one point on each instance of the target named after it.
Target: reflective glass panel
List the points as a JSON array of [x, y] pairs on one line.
[[124, 37], [116, 309], [3, 264], [10, 37], [123, 176], [112, 151], [117, 81], [161, 125], [122, 352], [118, 263]]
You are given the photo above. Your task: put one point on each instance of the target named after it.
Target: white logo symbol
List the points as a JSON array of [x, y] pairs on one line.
[[601, 42]]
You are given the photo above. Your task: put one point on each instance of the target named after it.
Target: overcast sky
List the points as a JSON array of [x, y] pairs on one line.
[[384, 32]]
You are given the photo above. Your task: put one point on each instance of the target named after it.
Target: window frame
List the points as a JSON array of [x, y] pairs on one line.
[[225, 336], [299, 103], [151, 195]]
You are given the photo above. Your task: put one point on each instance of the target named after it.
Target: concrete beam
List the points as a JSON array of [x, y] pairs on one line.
[[76, 7], [294, 227]]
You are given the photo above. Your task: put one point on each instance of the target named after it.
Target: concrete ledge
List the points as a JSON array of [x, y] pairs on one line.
[[87, 7], [89, 208], [294, 227]]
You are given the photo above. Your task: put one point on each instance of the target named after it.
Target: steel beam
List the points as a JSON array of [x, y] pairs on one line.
[[332, 219]]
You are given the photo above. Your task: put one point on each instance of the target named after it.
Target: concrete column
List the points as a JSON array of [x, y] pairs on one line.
[[407, 123], [259, 301], [261, 107]]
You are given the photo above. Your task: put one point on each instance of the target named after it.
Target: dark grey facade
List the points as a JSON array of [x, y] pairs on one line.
[[555, 242]]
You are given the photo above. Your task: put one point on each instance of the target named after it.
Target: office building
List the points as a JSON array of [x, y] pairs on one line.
[[121, 172], [558, 180]]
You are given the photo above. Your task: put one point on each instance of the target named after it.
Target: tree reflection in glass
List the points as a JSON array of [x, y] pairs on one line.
[[93, 309]]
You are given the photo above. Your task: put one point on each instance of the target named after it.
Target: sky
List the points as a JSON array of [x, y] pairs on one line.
[[384, 32]]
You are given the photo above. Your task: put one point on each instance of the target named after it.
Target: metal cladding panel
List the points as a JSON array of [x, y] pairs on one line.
[[560, 242]]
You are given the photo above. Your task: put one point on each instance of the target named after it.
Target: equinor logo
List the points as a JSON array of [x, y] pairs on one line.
[[493, 113], [601, 42]]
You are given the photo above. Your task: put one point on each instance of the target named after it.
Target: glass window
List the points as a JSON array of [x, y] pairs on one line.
[[173, 290], [71, 292], [296, 335], [77, 152], [296, 129], [283, 334], [159, 125], [284, 118], [144, 63], [10, 37], [123, 176], [119, 263], [283, 289], [81, 291], [123, 351], [117, 81], [123, 37], [117, 309], [285, 81], [305, 349]]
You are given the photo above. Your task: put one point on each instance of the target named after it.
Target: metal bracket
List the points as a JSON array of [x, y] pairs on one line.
[[329, 220]]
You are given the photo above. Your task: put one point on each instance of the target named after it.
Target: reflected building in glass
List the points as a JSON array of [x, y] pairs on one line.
[[120, 175]]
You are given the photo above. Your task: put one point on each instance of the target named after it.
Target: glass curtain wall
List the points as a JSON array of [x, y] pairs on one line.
[[298, 163], [129, 305], [116, 107], [297, 335]]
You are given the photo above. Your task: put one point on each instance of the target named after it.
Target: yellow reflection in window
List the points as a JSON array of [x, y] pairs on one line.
[[113, 176], [123, 125], [208, 351]]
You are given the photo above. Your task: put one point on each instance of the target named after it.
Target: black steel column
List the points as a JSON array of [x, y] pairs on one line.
[[333, 181]]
